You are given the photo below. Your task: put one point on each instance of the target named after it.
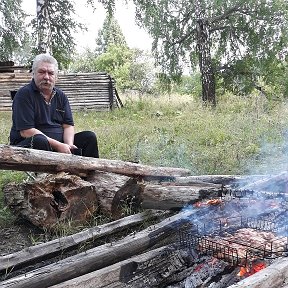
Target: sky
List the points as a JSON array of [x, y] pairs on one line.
[[135, 37]]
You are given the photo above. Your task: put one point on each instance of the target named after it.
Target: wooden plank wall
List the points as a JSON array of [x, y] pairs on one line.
[[85, 91]]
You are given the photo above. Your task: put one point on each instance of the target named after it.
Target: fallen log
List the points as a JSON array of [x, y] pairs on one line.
[[23, 159], [114, 192], [59, 197], [53, 199], [49, 249], [233, 180], [171, 196], [101, 256]]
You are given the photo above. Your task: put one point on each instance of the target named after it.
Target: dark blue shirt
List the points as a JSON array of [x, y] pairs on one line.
[[31, 111]]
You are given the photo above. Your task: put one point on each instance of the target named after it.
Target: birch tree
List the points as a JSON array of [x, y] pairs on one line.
[[12, 28], [43, 27], [214, 35]]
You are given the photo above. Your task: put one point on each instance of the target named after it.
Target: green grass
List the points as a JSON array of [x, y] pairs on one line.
[[242, 135], [238, 137]]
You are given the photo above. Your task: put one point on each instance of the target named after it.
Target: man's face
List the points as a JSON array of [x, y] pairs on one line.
[[45, 77]]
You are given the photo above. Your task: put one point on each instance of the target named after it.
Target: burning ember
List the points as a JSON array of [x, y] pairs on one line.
[[245, 231], [255, 267]]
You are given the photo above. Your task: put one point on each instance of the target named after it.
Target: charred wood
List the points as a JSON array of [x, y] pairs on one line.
[[273, 276], [154, 268], [44, 251], [270, 183], [101, 256]]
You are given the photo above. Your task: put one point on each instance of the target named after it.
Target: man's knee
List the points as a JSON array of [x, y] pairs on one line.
[[91, 136], [40, 142]]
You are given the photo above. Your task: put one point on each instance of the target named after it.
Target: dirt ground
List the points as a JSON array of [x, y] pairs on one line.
[[17, 237]]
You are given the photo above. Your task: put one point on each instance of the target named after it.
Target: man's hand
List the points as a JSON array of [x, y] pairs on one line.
[[64, 148]]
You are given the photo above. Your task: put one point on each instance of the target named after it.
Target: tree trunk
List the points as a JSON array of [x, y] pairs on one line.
[[204, 53], [43, 27]]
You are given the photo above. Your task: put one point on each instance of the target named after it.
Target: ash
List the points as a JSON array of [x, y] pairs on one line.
[[209, 271]]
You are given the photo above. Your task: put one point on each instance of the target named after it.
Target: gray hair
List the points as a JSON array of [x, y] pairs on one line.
[[44, 58]]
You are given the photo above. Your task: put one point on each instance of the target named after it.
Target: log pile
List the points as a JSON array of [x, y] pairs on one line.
[[108, 187], [77, 187]]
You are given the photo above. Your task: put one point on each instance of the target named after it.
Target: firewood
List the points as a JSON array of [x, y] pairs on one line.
[[274, 275], [154, 268], [23, 159], [101, 256], [44, 251], [269, 183], [234, 180], [52, 199], [108, 193], [113, 191], [176, 196]]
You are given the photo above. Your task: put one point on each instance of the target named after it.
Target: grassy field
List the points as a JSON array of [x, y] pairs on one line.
[[243, 135]]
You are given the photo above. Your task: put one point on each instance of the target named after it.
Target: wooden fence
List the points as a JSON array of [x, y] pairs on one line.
[[85, 91]]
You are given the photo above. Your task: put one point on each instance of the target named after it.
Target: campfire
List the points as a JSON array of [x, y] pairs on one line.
[[208, 231], [242, 233]]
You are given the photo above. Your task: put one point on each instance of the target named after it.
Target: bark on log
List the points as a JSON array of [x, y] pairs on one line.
[[114, 192], [99, 257], [176, 196], [23, 159], [155, 268], [233, 180], [52, 199], [55, 247], [56, 198]]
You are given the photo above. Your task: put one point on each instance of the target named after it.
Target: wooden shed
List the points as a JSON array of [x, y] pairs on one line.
[[85, 91]]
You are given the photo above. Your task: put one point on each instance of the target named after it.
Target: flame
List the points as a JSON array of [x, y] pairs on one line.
[[208, 202], [242, 271], [248, 271]]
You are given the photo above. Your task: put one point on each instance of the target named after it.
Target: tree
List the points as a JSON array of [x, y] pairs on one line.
[[55, 25], [109, 34], [12, 29], [216, 35]]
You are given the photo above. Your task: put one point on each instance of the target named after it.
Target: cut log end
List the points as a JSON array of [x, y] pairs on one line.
[[59, 197]]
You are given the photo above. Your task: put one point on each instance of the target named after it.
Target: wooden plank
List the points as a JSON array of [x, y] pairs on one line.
[[78, 87], [151, 269], [57, 246]]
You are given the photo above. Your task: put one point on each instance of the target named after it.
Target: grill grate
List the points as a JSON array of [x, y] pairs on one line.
[[213, 242]]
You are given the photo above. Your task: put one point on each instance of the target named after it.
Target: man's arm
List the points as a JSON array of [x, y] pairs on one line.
[[68, 135], [56, 145]]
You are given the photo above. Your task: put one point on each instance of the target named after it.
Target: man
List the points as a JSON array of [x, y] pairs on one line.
[[42, 117]]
